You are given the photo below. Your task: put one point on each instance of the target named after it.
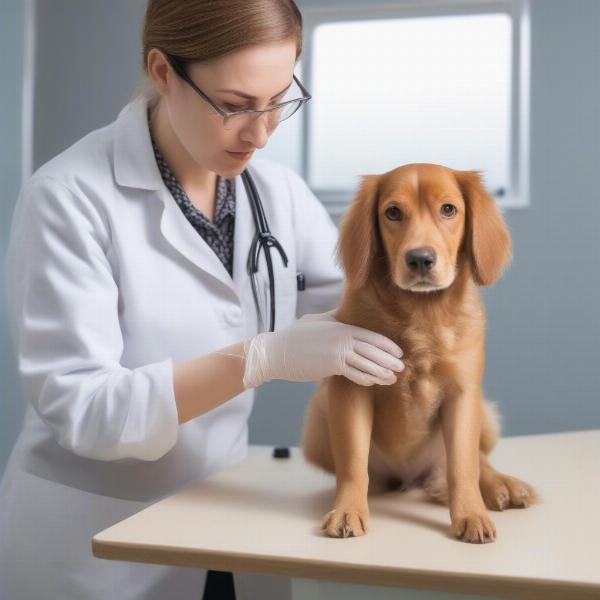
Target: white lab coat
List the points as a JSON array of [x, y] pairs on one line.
[[109, 285]]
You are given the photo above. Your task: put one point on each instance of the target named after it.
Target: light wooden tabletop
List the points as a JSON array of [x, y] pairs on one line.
[[262, 515]]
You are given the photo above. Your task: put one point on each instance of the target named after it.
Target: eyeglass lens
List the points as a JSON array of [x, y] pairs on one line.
[[272, 117]]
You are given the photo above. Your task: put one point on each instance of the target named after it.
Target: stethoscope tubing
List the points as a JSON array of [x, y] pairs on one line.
[[263, 240]]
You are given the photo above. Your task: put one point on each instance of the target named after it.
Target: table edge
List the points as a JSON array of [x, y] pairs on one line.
[[500, 587]]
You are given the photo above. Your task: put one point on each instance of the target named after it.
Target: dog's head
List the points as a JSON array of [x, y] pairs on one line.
[[421, 222]]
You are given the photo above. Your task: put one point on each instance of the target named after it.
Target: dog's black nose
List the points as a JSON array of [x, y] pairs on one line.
[[421, 259]]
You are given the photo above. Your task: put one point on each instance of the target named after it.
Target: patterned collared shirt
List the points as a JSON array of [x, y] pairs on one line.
[[217, 233]]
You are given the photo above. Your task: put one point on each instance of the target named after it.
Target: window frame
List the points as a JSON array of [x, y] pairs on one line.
[[517, 193]]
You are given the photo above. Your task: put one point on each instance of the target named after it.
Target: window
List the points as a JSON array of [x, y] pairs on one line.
[[440, 82]]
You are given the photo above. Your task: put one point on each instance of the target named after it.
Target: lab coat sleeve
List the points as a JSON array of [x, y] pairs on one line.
[[63, 303], [316, 237]]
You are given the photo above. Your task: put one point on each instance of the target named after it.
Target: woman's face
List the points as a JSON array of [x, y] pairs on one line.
[[259, 73]]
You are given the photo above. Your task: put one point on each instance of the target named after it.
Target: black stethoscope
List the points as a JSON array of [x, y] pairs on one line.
[[263, 240]]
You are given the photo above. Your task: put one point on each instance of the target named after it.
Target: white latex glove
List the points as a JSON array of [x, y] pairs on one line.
[[326, 316], [312, 348]]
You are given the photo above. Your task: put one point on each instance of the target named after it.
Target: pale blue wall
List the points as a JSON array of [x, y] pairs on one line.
[[11, 76]]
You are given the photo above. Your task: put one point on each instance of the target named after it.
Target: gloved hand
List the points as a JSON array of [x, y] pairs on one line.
[[326, 316], [312, 348]]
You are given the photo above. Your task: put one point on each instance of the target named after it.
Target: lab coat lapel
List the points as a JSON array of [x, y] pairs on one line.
[[135, 167], [180, 233]]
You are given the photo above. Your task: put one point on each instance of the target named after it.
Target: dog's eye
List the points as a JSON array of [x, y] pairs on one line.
[[448, 210], [394, 213]]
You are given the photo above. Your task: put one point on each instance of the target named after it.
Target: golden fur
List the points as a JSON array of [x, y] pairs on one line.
[[432, 428]]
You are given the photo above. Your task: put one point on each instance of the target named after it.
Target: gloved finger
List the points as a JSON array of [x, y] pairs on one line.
[[363, 378], [377, 355], [329, 314], [370, 368], [376, 339], [326, 316]]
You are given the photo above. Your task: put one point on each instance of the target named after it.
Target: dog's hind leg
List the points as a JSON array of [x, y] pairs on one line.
[[499, 491]]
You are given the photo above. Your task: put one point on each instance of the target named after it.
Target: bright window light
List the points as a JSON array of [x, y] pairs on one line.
[[427, 89]]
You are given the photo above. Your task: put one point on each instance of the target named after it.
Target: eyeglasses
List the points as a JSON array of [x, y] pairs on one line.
[[242, 118]]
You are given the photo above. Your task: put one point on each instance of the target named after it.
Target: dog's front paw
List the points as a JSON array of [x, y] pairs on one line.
[[473, 525], [343, 523]]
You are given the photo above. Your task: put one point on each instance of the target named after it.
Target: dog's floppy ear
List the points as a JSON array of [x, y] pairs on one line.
[[487, 239], [358, 239]]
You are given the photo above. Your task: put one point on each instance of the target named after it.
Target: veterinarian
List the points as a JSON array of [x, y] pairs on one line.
[[138, 335]]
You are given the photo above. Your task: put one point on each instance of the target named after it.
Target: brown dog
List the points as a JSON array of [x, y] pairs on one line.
[[414, 245]]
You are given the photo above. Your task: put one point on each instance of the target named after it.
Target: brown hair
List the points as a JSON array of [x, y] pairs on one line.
[[200, 30]]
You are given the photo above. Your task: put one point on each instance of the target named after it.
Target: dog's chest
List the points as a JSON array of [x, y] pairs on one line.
[[406, 412], [424, 348]]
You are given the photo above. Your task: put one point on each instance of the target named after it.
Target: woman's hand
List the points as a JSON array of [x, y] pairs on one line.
[[317, 346]]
